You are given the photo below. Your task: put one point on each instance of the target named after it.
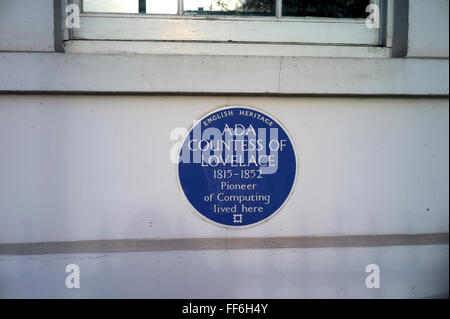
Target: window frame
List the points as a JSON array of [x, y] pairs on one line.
[[230, 29]]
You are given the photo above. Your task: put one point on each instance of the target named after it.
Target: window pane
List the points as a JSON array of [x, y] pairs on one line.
[[119, 6], [230, 7], [326, 8], [162, 6]]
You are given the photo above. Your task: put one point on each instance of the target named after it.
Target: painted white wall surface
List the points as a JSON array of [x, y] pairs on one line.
[[405, 272], [98, 167], [141, 73], [428, 28], [26, 25]]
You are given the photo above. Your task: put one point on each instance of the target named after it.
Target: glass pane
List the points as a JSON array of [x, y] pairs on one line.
[[131, 6], [162, 6], [118, 6], [230, 7], [326, 8]]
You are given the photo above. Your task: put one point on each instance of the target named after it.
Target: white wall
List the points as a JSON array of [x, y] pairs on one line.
[[428, 28], [405, 272], [80, 167], [97, 167], [26, 25]]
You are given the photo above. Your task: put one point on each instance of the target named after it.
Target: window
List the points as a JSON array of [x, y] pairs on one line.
[[289, 8], [132, 6], [333, 22], [230, 7]]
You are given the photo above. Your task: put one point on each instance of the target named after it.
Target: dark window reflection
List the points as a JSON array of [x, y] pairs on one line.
[[326, 8]]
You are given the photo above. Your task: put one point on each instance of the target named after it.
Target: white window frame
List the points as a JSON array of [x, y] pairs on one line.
[[227, 29]]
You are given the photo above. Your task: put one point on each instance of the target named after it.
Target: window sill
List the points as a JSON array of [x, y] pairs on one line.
[[209, 74], [225, 49], [224, 29]]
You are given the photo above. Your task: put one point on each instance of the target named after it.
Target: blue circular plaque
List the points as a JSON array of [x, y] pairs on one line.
[[237, 166]]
